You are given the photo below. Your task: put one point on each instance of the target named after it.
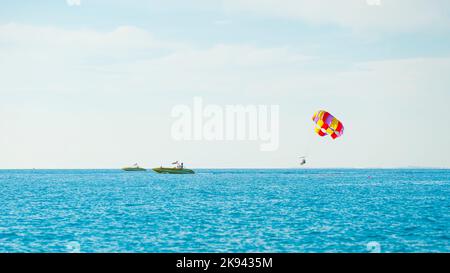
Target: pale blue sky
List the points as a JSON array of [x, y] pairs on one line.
[[92, 86]]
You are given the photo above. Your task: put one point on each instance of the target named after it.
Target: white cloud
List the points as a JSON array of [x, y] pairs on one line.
[[50, 56], [223, 22], [73, 2], [123, 37], [390, 15]]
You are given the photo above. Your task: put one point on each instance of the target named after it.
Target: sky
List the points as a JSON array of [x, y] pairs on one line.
[[92, 83]]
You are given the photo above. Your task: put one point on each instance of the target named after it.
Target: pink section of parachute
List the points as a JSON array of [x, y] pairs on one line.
[[327, 124]]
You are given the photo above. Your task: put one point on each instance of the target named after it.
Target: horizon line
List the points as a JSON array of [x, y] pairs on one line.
[[240, 168]]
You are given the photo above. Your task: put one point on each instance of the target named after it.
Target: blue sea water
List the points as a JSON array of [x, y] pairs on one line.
[[291, 210]]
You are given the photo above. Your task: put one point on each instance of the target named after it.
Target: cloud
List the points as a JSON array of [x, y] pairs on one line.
[[222, 22], [85, 60], [129, 58], [73, 2], [386, 15], [124, 43]]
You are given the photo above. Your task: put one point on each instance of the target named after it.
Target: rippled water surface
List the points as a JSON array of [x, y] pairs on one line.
[[225, 211]]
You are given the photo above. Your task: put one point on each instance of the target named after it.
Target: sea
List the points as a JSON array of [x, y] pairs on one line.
[[226, 210]]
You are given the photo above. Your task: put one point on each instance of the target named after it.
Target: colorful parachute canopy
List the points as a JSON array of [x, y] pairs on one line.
[[326, 124]]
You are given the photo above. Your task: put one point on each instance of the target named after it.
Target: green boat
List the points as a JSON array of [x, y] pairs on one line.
[[173, 170], [134, 168]]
